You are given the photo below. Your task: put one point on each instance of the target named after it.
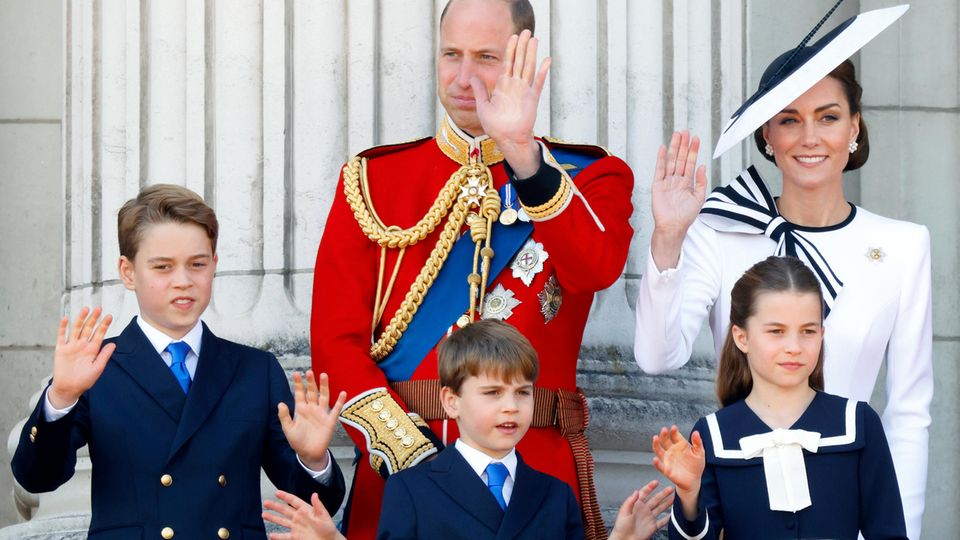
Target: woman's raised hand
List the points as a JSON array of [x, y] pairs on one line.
[[677, 193]]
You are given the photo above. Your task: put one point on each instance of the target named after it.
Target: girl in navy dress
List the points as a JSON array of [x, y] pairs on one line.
[[781, 459]]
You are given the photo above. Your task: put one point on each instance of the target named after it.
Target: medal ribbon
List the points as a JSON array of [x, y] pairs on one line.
[[746, 206]]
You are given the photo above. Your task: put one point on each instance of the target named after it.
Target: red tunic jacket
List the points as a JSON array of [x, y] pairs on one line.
[[586, 241]]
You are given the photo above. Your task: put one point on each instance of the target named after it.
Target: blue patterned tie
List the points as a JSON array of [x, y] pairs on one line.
[[496, 475], [178, 354]]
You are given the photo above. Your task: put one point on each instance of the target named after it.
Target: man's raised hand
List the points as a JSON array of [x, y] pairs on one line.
[[510, 112]]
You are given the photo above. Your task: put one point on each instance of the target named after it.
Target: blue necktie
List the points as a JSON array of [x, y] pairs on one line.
[[496, 475], [178, 353]]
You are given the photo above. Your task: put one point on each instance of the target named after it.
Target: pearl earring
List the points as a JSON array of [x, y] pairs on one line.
[[853, 146], [768, 149]]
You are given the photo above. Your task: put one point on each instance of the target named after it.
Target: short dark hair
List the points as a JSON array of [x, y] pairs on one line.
[[486, 347], [774, 274], [846, 75], [521, 12], [162, 203]]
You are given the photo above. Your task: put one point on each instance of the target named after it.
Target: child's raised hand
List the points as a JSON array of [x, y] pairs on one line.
[[310, 430], [305, 521], [681, 462], [78, 359], [637, 518]]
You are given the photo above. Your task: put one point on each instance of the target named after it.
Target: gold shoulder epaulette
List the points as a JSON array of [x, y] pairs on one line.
[[384, 149], [590, 149]]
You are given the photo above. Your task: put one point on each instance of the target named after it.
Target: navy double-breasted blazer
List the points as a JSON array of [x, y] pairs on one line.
[[445, 498], [161, 459]]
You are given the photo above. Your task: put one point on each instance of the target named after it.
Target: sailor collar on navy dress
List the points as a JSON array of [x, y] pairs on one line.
[[833, 417], [459, 146]]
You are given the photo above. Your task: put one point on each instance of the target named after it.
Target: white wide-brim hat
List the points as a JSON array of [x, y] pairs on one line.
[[798, 70]]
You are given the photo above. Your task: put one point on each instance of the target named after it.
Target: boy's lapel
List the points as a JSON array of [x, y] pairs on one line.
[[529, 491], [215, 370], [136, 356], [455, 477]]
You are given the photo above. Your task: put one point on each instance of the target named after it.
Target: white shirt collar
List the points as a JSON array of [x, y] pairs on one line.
[[159, 340], [478, 461]]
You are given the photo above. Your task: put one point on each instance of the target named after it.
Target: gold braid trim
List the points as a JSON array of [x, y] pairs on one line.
[[393, 237], [469, 187], [392, 437]]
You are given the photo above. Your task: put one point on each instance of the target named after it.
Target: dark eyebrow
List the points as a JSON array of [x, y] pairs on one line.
[[818, 109]]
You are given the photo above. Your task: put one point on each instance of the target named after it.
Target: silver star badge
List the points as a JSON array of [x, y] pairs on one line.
[[473, 191], [499, 303], [529, 261]]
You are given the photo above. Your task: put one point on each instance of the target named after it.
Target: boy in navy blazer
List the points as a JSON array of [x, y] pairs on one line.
[[179, 422], [479, 487]]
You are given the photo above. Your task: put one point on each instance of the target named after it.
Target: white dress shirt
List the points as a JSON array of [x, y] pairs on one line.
[[478, 461]]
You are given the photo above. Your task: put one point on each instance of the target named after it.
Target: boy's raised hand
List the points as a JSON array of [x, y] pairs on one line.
[[310, 430], [78, 359], [305, 521], [637, 518]]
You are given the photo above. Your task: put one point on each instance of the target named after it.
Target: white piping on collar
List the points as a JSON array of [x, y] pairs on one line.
[[849, 436]]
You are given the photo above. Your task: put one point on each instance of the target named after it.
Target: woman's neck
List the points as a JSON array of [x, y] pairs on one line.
[[819, 207], [778, 407]]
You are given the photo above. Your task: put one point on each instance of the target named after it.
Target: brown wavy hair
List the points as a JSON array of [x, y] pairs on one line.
[[774, 274], [488, 347], [163, 203]]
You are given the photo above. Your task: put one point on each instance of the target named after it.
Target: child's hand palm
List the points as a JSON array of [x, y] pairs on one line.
[[311, 429], [78, 359], [678, 460]]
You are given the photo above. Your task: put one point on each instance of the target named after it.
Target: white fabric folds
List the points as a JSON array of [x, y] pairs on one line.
[[783, 465]]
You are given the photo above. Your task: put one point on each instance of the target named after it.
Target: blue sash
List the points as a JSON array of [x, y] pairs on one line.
[[449, 297]]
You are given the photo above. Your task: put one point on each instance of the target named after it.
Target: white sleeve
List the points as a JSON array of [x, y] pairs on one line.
[[322, 477], [673, 304], [51, 413], [909, 383]]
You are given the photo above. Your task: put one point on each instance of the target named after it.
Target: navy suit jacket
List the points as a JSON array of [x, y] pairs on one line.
[[445, 498], [140, 428]]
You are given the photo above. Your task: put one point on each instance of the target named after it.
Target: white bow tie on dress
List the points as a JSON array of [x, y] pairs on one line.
[[783, 465]]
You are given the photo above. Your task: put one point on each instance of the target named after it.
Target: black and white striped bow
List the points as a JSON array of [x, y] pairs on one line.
[[746, 206]]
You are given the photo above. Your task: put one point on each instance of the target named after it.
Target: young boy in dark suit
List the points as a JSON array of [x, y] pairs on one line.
[[480, 487], [179, 422]]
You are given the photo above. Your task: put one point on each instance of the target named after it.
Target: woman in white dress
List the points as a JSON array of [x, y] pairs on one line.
[[875, 271]]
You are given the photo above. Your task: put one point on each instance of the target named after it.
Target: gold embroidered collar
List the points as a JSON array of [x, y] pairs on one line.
[[459, 146]]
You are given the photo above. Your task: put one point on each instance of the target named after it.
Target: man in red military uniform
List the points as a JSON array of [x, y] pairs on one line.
[[481, 221]]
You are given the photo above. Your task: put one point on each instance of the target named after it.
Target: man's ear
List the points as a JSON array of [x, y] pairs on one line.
[[450, 401], [126, 271], [739, 337]]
